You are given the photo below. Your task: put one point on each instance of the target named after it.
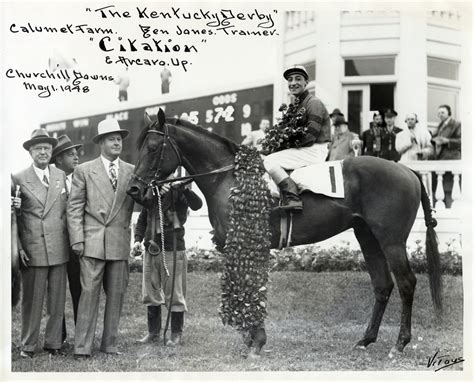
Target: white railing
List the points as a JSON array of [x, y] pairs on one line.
[[436, 171]]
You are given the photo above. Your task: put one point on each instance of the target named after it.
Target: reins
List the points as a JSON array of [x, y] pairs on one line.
[[154, 180]]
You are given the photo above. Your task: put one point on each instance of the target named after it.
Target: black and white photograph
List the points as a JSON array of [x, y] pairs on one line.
[[236, 190]]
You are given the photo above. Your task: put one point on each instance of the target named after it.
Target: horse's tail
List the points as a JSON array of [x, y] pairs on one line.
[[432, 252]]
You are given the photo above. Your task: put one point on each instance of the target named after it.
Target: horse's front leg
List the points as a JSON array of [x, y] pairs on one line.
[[255, 339]]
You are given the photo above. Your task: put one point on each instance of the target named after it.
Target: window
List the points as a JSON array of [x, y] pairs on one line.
[[441, 95], [381, 96], [311, 69], [443, 69], [377, 66]]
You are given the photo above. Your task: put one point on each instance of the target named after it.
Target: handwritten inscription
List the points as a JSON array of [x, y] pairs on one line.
[[438, 362], [66, 81], [162, 36]]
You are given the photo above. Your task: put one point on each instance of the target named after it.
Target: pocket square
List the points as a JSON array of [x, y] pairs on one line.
[[63, 191]]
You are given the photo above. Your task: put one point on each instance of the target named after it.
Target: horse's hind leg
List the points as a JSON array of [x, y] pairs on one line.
[[381, 280], [406, 282]]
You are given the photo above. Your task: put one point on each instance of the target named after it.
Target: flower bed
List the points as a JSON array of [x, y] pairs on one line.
[[314, 259]]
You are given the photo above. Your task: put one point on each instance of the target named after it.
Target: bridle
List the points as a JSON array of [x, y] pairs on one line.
[[154, 183]]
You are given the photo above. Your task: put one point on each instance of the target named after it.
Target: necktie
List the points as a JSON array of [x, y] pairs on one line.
[[113, 176], [45, 180], [68, 184]]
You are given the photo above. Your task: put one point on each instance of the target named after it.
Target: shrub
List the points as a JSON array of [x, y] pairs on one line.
[[315, 259]]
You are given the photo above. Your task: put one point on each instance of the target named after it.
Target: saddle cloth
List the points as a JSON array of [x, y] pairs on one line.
[[321, 178]]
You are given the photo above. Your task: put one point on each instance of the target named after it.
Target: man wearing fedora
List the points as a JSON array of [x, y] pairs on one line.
[[65, 157], [314, 147], [341, 146], [334, 115], [99, 213], [44, 244]]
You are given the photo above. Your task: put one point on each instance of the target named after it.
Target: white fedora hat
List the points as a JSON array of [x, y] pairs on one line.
[[108, 126]]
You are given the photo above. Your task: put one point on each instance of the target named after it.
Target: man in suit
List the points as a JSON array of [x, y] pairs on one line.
[[99, 212], [44, 244], [66, 158], [341, 146], [448, 139], [336, 113], [389, 151], [447, 144]]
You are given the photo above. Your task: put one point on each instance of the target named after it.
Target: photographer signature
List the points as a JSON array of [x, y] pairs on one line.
[[439, 362]]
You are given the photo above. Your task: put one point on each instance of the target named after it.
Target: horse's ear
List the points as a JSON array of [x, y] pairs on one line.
[[161, 117], [147, 119]]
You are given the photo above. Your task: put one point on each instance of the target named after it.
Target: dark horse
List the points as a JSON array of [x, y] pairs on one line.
[[381, 202]]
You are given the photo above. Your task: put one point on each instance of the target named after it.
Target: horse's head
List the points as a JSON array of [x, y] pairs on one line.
[[157, 159]]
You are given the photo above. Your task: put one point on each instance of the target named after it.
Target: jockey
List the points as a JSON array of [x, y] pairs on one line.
[[315, 145]]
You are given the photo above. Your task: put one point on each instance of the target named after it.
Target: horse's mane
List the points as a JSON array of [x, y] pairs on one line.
[[188, 125]]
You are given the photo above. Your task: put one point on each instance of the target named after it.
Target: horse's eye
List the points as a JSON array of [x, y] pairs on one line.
[[153, 148]]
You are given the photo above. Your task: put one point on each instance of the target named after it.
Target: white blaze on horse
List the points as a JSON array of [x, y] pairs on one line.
[[381, 200]]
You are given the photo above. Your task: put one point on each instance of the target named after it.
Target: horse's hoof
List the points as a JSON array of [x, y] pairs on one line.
[[360, 347], [395, 353], [254, 354]]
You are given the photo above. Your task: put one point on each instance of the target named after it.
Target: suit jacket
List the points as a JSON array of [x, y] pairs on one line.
[[98, 216], [42, 222], [341, 147], [379, 142], [452, 131]]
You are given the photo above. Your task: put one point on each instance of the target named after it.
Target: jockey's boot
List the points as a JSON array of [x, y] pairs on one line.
[[290, 198], [154, 325], [177, 322]]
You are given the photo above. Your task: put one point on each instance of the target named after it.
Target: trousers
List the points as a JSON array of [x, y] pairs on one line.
[[113, 275], [291, 159], [157, 286]]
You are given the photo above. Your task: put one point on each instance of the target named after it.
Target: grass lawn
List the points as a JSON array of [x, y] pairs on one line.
[[314, 321]]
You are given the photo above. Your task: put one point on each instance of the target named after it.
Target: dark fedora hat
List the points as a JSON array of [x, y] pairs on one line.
[[340, 120], [64, 143], [300, 69], [39, 136], [336, 111], [390, 113]]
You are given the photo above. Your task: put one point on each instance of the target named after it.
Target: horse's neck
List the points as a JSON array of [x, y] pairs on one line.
[[201, 154]]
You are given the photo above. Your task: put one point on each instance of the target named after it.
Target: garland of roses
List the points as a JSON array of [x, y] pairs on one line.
[[289, 132], [247, 245]]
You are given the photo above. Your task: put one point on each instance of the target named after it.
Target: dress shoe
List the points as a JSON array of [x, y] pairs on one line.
[[26, 354]]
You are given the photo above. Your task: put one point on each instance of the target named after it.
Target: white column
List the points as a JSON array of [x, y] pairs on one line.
[[411, 94], [439, 195], [278, 83], [328, 58]]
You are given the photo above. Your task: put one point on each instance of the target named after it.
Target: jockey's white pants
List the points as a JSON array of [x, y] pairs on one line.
[[291, 159]]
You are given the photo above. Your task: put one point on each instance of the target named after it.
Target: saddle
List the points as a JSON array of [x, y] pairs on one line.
[[322, 178]]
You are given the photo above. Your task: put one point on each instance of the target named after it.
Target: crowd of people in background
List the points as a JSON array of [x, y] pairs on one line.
[[386, 139]]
